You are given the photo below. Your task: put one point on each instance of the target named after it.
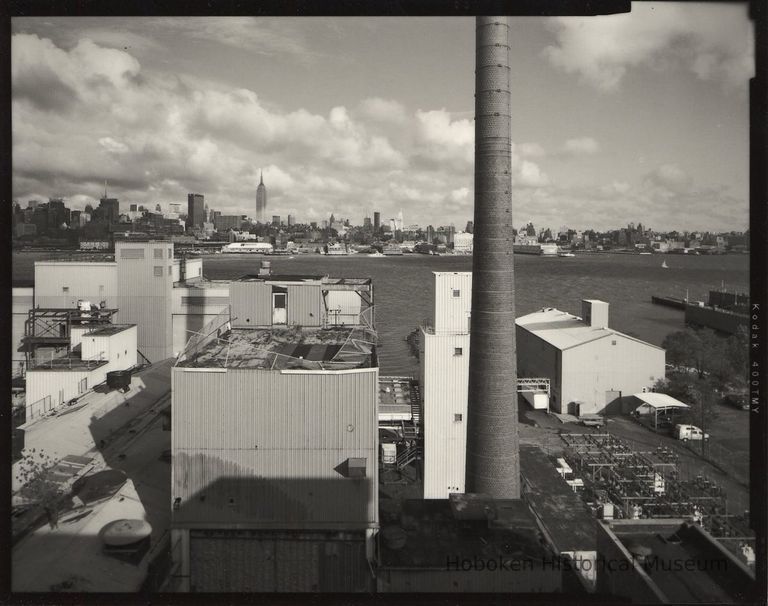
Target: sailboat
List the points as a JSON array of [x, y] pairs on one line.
[[664, 265]]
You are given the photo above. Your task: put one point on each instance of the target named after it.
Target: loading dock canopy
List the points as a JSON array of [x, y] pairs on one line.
[[657, 403]]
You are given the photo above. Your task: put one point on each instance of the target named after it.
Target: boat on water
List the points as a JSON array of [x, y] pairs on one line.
[[263, 248], [664, 265], [375, 254], [565, 254], [336, 249], [645, 253]]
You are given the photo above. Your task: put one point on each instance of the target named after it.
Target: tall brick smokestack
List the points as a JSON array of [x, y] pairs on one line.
[[493, 465]]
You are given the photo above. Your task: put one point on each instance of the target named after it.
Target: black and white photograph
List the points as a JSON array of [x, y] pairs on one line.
[[386, 304]]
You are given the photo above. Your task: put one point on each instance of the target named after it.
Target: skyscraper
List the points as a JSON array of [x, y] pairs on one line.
[[195, 211], [261, 199], [376, 221]]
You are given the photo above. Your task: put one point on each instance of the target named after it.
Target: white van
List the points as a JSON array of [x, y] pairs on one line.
[[689, 432]]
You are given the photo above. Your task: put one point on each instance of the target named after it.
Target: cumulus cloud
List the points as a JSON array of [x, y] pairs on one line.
[[714, 41], [581, 146], [383, 110], [668, 177]]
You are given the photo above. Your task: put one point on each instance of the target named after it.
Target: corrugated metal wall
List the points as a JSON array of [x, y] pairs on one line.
[[592, 369], [251, 304], [145, 294], [452, 311], [273, 562], [260, 447], [90, 281], [304, 305], [60, 385], [21, 303], [444, 389], [537, 358]]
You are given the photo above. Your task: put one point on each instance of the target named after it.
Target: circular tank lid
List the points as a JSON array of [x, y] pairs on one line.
[[125, 532]]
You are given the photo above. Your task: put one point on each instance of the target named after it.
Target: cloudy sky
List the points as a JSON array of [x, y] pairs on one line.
[[636, 117]]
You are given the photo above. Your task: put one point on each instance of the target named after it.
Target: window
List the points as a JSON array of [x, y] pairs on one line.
[[101, 289], [158, 253], [458, 417], [613, 342], [170, 270], [159, 271], [131, 253], [65, 289], [458, 351], [456, 292], [170, 253]]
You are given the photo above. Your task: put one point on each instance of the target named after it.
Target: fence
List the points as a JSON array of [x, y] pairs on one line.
[[214, 329], [39, 408]]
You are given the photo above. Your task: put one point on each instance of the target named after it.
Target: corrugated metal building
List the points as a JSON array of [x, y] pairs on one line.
[[444, 355], [586, 361], [275, 446], [144, 293], [194, 306], [102, 350], [22, 300]]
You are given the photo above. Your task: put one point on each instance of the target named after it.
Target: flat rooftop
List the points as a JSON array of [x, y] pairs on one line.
[[305, 278], [433, 532], [395, 397], [69, 363], [335, 348], [108, 330], [561, 511], [685, 564]]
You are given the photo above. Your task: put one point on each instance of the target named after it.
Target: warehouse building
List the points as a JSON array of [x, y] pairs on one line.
[[94, 351], [141, 282], [275, 438], [590, 366]]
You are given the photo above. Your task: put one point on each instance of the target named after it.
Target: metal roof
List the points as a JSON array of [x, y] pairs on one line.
[[564, 330], [660, 400]]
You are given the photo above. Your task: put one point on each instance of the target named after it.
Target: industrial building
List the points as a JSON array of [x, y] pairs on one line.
[[140, 282], [92, 348], [444, 375], [275, 440], [590, 366], [669, 561]]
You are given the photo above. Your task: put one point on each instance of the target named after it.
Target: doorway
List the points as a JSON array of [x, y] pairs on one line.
[[279, 308]]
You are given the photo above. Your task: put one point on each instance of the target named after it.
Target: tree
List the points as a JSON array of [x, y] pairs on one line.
[[38, 486]]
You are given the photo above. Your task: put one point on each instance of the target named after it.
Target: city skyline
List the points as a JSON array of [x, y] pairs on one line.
[[656, 126]]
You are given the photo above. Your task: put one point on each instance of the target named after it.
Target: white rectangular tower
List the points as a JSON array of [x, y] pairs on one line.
[[444, 355]]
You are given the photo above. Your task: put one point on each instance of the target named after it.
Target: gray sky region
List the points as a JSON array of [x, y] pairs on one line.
[[634, 117]]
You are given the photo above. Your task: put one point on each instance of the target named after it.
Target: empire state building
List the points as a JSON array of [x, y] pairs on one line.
[[261, 199]]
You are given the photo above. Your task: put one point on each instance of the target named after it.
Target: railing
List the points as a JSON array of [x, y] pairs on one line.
[[214, 329], [38, 408]]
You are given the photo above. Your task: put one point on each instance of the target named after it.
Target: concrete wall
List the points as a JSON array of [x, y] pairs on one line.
[[145, 294], [90, 281], [257, 448], [615, 363], [444, 391]]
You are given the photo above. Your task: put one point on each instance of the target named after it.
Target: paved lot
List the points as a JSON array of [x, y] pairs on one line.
[[541, 429]]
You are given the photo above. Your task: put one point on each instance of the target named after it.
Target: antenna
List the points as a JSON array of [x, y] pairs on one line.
[[105, 188]]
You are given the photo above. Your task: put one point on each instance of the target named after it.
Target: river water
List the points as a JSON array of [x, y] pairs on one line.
[[402, 295]]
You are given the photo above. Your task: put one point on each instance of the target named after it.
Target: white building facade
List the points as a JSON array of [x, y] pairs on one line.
[[444, 355]]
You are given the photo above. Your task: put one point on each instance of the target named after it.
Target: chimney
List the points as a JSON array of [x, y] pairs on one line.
[[594, 313], [493, 465]]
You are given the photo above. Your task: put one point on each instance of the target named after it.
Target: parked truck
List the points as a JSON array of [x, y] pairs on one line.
[[689, 432]]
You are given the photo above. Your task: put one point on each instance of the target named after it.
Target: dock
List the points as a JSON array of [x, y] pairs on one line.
[[669, 302]]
